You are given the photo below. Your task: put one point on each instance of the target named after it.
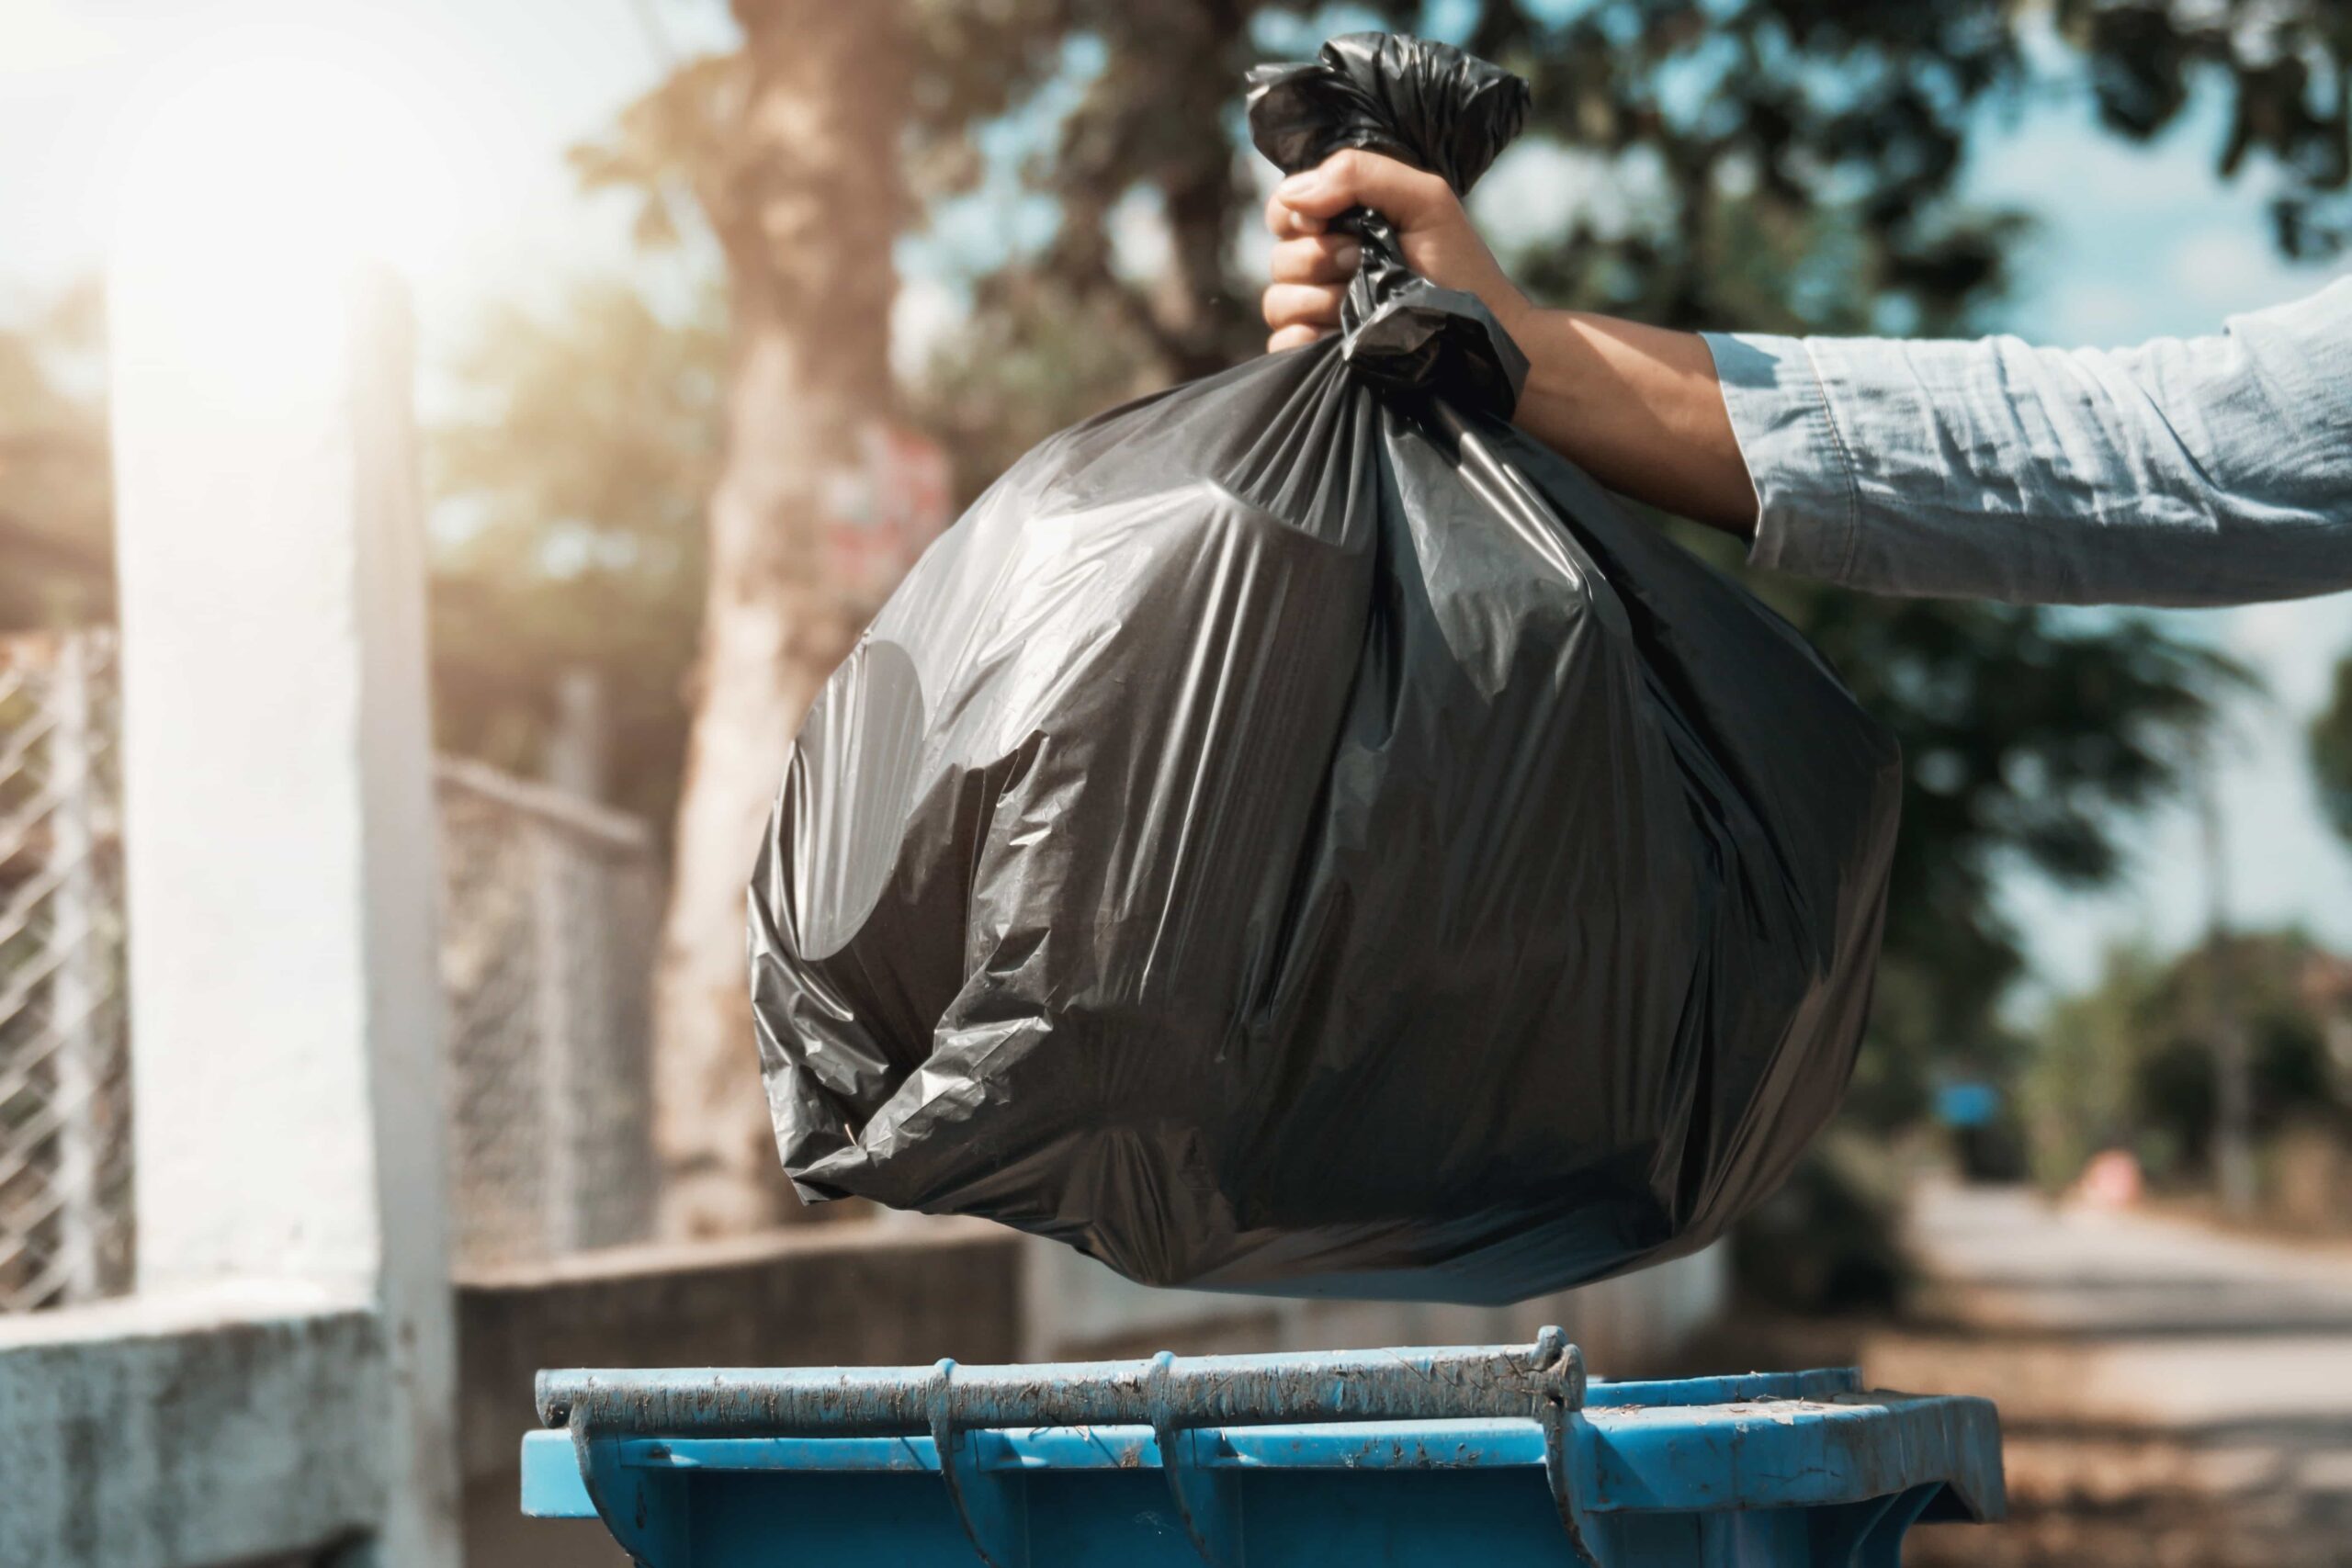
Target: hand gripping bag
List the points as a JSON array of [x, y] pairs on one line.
[[1296, 834]]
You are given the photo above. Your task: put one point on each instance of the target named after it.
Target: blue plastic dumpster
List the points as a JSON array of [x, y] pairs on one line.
[[1496, 1455]]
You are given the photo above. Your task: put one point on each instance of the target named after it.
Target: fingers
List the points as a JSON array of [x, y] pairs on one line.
[[1287, 221], [1311, 267], [1315, 259], [1405, 196], [1311, 305]]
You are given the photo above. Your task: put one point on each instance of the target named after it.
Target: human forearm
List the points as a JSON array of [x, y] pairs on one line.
[[1638, 408]]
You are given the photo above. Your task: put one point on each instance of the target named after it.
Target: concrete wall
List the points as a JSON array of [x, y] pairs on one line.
[[205, 1427], [853, 1293], [1076, 1308]]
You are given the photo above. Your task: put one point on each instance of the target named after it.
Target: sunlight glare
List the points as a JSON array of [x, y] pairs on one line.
[[253, 191]]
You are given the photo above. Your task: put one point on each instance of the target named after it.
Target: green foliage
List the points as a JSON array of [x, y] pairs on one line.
[[2287, 69], [56, 535], [1795, 160], [2332, 751], [1791, 104], [2080, 1093], [1156, 125], [2130, 1063], [1037, 355], [579, 469], [2028, 741], [675, 152], [669, 147], [1784, 108]]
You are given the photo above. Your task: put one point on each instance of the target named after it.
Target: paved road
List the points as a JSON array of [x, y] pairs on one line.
[[2172, 1395]]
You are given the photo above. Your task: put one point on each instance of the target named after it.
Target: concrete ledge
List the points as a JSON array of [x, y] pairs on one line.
[[847, 1294], [855, 1293], [189, 1430]]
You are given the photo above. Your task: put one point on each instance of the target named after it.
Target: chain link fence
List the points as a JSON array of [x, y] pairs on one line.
[[548, 916], [65, 1065], [549, 913]]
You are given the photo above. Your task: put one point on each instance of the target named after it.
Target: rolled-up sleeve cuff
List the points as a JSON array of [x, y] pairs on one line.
[[1808, 504]]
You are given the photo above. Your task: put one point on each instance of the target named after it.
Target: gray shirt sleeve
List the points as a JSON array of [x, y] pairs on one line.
[[2212, 470]]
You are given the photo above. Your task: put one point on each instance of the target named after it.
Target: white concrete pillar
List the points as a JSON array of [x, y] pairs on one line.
[[279, 816]]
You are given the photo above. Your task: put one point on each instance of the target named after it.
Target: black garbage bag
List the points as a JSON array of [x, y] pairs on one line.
[[1296, 834]]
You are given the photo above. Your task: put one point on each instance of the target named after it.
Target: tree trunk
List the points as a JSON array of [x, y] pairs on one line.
[[1206, 322], [807, 200], [1204, 326]]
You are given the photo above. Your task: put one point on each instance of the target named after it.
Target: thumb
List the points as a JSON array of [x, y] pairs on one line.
[[1405, 196]]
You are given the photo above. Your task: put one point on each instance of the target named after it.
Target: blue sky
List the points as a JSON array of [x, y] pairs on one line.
[[2131, 241]]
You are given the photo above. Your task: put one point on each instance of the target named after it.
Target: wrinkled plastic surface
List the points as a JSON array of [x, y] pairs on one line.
[[1296, 834]]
